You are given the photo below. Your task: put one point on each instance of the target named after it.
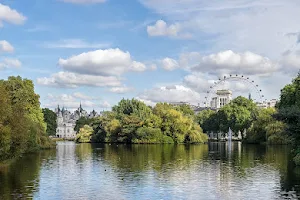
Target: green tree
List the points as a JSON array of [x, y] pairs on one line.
[[204, 119], [50, 119], [127, 107], [81, 122], [289, 112], [22, 121], [238, 115], [85, 134]]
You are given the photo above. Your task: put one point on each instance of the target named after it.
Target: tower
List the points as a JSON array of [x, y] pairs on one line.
[[250, 96]]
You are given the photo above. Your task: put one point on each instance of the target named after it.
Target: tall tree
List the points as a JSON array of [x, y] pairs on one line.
[[50, 119]]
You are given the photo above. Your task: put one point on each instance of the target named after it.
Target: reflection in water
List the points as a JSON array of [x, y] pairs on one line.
[[102, 171]]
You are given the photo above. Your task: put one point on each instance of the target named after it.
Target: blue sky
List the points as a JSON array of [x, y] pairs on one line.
[[100, 51]]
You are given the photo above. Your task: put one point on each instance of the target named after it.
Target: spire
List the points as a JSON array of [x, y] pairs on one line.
[[80, 107]]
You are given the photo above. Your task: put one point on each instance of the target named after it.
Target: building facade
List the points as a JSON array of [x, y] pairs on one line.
[[223, 97], [66, 121]]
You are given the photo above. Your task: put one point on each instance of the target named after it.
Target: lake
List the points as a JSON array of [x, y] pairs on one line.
[[103, 171]]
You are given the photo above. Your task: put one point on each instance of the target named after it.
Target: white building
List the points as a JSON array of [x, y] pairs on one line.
[[223, 97], [267, 104], [66, 121]]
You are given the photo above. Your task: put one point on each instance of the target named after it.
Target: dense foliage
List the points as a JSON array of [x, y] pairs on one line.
[[81, 122], [22, 126], [50, 120], [242, 114], [289, 112], [132, 121]]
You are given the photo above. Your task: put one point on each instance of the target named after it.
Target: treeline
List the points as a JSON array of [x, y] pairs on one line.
[[289, 113], [22, 126], [243, 115], [132, 121]]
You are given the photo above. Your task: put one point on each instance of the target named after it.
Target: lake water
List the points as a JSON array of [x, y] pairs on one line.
[[102, 171]]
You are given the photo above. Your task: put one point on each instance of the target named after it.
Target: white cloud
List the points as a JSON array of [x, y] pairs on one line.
[[169, 64], [75, 44], [102, 62], [160, 28], [137, 66], [189, 59], [229, 62], [198, 82], [174, 93], [10, 15], [10, 63], [121, 90], [252, 22], [84, 1], [105, 104], [81, 96], [290, 62], [6, 46], [73, 80], [68, 101]]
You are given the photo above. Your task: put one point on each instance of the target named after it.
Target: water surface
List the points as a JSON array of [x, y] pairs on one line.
[[102, 171]]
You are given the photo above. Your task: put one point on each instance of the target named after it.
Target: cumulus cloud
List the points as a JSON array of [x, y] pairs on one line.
[[10, 15], [198, 82], [173, 93], [84, 1], [6, 47], [169, 64], [215, 21], [75, 44], [10, 63], [69, 101], [229, 62], [73, 80], [161, 28], [121, 90], [81, 96], [102, 62], [290, 62]]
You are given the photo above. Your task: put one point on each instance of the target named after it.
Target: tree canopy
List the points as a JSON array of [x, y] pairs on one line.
[[50, 120], [22, 126], [132, 121]]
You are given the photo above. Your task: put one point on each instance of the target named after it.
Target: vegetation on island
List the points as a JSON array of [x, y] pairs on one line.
[[243, 115], [132, 121], [22, 126]]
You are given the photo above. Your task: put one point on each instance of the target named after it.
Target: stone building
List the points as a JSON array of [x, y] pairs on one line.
[[223, 97], [66, 121]]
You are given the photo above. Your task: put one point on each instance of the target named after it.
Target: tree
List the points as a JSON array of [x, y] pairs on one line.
[[261, 129], [22, 126], [204, 119], [81, 122], [289, 108], [50, 119], [289, 113], [127, 107], [85, 134]]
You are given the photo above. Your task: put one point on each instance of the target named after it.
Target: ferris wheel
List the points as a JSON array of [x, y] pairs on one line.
[[251, 85]]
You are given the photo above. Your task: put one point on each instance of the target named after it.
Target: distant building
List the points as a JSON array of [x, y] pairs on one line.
[[267, 104], [223, 97], [66, 121], [179, 103]]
